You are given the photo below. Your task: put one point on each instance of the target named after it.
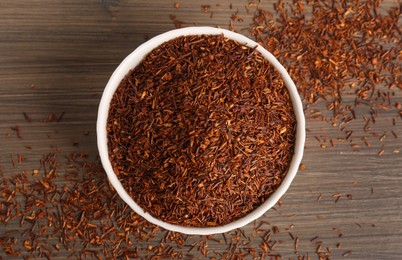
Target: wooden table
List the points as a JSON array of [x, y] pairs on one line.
[[55, 59]]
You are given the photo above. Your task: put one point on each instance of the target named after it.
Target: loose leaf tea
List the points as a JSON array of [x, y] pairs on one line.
[[345, 54], [202, 131], [63, 206]]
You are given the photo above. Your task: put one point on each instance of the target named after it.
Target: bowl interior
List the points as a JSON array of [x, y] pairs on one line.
[[136, 58]]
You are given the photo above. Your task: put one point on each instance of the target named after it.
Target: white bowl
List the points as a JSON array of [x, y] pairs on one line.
[[135, 58]]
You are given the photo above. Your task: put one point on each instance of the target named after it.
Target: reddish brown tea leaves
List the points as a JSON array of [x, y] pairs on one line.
[[199, 139], [82, 215], [27, 117], [205, 8], [17, 131], [353, 54], [347, 253], [60, 117], [275, 229]]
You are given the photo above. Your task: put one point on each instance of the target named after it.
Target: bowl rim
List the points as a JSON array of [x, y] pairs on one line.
[[135, 58]]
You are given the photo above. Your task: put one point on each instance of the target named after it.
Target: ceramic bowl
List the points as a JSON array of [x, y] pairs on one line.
[[135, 58]]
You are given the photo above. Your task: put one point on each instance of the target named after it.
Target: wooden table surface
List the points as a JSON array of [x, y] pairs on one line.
[[56, 57]]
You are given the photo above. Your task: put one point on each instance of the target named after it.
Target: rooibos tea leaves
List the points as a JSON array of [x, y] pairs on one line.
[[202, 131]]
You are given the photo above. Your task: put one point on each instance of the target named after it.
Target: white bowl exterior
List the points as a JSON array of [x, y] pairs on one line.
[[135, 58]]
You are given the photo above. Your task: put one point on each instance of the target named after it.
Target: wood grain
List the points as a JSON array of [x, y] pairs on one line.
[[56, 56]]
